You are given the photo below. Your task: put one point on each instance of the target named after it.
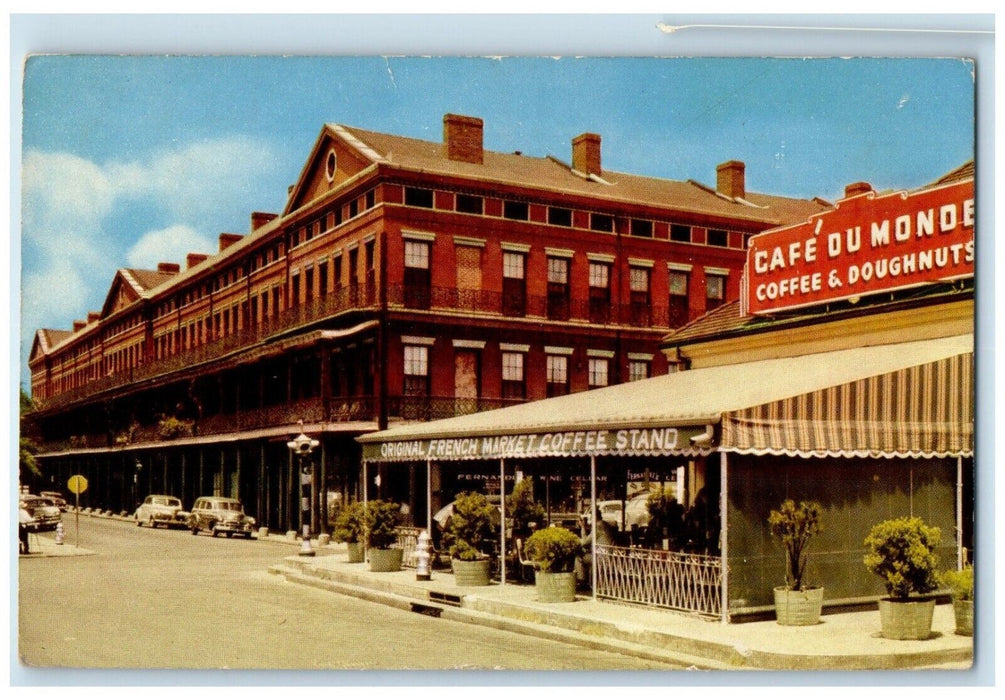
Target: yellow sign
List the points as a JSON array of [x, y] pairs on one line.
[[77, 484]]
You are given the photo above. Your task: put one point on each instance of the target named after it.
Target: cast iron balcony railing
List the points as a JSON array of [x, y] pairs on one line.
[[356, 297], [539, 306]]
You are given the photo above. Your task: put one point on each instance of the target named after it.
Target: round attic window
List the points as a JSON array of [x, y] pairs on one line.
[[330, 163]]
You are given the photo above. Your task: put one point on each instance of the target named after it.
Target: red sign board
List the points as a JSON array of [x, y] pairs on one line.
[[869, 243]]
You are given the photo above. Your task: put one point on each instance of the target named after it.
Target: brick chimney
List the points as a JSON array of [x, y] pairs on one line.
[[857, 188], [260, 218], [193, 259], [730, 179], [169, 268], [586, 153], [229, 239], [463, 138], [93, 316], [77, 325]]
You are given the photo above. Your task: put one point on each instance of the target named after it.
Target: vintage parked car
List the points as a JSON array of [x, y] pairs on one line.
[[161, 510], [57, 499], [45, 515], [217, 514]]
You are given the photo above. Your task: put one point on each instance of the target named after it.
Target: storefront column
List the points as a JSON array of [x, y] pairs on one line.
[[366, 482], [429, 497], [594, 512], [502, 523], [960, 559], [724, 534]]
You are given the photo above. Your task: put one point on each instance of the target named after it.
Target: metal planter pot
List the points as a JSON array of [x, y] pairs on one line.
[[910, 619], [356, 552], [964, 613], [471, 573], [555, 587], [385, 559], [798, 608]]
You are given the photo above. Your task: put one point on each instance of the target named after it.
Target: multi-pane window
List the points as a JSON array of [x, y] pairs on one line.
[[600, 292], [559, 216], [294, 289], [678, 298], [602, 222], [416, 366], [715, 291], [419, 197], [598, 372], [638, 369], [518, 211], [513, 384], [639, 303], [417, 276], [642, 228], [514, 286], [323, 278], [558, 288], [558, 375], [308, 285], [680, 233], [468, 204], [718, 237]]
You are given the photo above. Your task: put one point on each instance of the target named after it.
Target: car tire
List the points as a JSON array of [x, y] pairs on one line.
[[195, 529], [229, 534], [151, 524], [212, 530], [139, 523]]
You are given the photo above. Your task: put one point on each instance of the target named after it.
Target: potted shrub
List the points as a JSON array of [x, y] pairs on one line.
[[794, 526], [527, 514], [382, 520], [901, 552], [961, 585], [471, 533], [554, 551], [350, 527]]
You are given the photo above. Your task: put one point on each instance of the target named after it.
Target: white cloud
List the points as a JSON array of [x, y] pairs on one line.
[[170, 244], [82, 220]]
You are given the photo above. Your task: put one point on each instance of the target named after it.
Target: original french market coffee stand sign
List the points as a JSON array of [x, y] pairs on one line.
[[633, 442], [870, 243]]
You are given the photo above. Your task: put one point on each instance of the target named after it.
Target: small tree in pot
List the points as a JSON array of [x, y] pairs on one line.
[[794, 526], [350, 527], [471, 532], [554, 551], [902, 553], [961, 585], [382, 520]]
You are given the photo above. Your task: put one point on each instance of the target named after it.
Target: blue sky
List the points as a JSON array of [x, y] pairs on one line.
[[128, 161]]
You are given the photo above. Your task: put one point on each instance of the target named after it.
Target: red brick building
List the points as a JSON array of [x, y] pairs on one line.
[[404, 280]]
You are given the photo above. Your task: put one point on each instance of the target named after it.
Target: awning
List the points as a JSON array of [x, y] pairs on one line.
[[905, 399]]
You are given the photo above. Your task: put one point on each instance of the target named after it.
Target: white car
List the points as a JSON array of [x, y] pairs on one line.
[[636, 512], [161, 510]]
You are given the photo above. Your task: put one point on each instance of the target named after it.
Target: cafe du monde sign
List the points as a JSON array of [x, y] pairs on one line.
[[868, 244]]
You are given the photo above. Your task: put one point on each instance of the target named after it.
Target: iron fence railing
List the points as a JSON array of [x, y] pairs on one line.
[[677, 580]]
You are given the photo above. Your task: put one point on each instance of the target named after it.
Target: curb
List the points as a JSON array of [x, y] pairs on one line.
[[624, 637], [471, 615]]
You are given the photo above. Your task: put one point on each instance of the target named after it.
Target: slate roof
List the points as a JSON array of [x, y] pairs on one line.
[[552, 173]]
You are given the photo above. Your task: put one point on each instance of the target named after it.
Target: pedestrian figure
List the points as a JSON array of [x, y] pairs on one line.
[[23, 518]]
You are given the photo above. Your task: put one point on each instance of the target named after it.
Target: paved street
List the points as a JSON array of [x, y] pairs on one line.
[[159, 599]]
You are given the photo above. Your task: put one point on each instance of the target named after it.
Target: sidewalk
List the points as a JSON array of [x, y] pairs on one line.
[[842, 641], [44, 545]]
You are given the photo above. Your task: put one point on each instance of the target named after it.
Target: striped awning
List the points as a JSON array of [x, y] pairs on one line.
[[925, 410]]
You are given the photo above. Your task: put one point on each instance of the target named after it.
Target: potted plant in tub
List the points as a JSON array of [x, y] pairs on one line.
[[901, 552], [471, 532], [961, 585], [794, 526], [382, 520], [554, 551], [350, 527]]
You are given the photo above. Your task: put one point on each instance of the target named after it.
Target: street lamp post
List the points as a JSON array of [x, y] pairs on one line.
[[302, 446]]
